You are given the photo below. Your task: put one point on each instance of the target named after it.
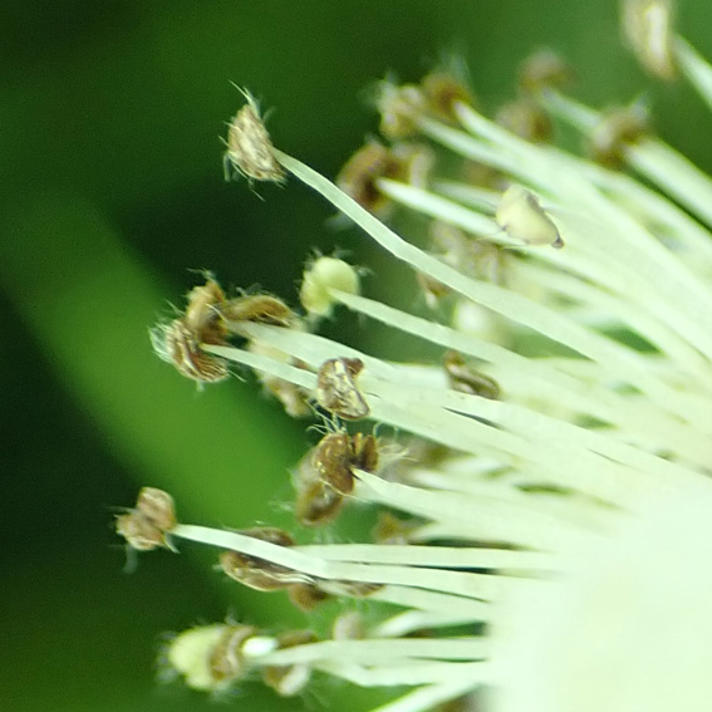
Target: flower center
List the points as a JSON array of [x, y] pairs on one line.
[[630, 629]]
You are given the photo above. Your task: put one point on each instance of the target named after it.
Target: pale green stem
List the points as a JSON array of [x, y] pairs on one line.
[[528, 274], [434, 602], [652, 271], [408, 622], [482, 199], [661, 164], [480, 586], [411, 673], [448, 531], [542, 378], [450, 557], [622, 361], [489, 518], [605, 272], [695, 67], [427, 202], [573, 112], [467, 146], [374, 650], [649, 275], [426, 698], [540, 438], [546, 438], [298, 376], [472, 466], [579, 511], [450, 428], [649, 204], [675, 174]]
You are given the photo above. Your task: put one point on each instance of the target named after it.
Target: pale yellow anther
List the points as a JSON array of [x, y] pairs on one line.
[[323, 275], [648, 27], [522, 218], [190, 654]]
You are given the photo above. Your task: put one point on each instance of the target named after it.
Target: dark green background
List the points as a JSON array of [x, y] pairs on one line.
[[110, 167]]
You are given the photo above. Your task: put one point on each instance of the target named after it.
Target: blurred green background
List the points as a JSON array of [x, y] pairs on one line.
[[112, 188]]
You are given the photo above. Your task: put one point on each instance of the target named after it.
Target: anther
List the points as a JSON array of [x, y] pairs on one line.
[[178, 342], [525, 118], [147, 525], [262, 308], [648, 27], [442, 90], [258, 573], [337, 391], [544, 69], [289, 680], [616, 130], [322, 275], [462, 377], [521, 216], [249, 149]]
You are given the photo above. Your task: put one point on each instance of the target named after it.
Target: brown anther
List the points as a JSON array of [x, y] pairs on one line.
[[359, 175], [355, 589], [413, 163], [202, 315], [467, 703], [336, 454], [466, 379], [292, 638], [332, 458], [273, 535], [146, 526], [226, 661], [525, 118], [294, 399], [325, 475], [258, 573], [288, 680], [177, 344], [158, 507], [544, 69], [470, 255], [365, 452], [616, 130], [317, 504], [138, 530], [390, 529], [263, 308], [400, 107], [306, 596], [179, 341], [481, 174], [249, 149], [336, 389], [442, 91]]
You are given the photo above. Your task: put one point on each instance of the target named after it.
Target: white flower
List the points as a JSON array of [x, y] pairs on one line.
[[572, 513]]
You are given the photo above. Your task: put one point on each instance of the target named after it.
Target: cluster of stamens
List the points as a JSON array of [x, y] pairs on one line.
[[538, 429]]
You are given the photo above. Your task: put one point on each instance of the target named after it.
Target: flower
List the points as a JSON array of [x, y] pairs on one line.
[[554, 531]]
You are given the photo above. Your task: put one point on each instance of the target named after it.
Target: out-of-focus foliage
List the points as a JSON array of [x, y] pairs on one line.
[[110, 115]]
